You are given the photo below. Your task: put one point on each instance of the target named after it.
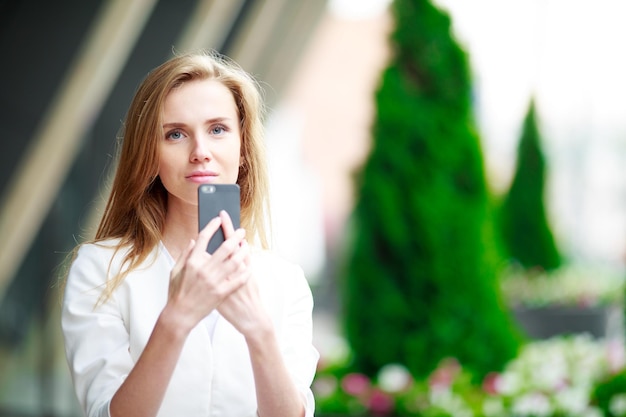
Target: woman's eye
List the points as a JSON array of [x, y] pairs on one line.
[[218, 130], [175, 135]]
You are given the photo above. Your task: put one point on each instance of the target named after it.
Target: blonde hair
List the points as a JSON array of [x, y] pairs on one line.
[[136, 208]]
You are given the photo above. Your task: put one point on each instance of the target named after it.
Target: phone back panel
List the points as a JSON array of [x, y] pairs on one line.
[[212, 198]]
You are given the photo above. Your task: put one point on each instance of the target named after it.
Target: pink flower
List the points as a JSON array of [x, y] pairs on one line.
[[355, 384], [490, 383], [446, 372], [380, 403]]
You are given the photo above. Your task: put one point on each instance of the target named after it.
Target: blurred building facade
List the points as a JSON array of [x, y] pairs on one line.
[[70, 70]]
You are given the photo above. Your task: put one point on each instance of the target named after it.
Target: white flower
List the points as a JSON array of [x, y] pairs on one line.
[[550, 377], [533, 404], [592, 412], [573, 401], [449, 402], [617, 405], [393, 378], [509, 383]]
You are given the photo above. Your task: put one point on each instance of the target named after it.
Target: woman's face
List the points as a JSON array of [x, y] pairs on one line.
[[202, 139]]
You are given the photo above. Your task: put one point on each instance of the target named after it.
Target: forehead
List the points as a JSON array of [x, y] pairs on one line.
[[207, 98]]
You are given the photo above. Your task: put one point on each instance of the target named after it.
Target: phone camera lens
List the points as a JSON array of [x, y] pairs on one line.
[[208, 189]]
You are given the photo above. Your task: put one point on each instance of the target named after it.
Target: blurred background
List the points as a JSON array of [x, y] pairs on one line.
[[70, 68]]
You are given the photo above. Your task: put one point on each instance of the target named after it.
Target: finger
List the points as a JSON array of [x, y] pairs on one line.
[[243, 251], [227, 224], [180, 262], [205, 235], [230, 245], [245, 248], [239, 258], [239, 262]]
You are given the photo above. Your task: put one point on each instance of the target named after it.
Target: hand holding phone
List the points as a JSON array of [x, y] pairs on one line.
[[212, 198]]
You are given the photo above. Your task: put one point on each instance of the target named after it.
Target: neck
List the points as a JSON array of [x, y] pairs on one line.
[[181, 225]]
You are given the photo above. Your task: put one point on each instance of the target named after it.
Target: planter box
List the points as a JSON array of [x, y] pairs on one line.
[[545, 322]]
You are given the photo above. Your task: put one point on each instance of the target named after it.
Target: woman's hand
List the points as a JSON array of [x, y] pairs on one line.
[[199, 281], [243, 307], [276, 392]]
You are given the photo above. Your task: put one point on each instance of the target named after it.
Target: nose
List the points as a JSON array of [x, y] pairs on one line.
[[200, 150]]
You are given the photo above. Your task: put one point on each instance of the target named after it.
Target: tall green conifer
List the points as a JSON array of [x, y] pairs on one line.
[[525, 228], [420, 283]]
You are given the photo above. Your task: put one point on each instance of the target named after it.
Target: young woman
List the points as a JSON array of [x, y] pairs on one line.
[[153, 324]]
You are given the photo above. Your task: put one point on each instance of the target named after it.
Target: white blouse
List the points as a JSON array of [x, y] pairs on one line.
[[213, 376]]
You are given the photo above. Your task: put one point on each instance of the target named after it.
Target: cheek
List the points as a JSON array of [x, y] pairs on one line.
[[165, 169]]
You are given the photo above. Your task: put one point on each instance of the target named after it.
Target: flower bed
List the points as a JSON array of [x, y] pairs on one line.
[[553, 377], [571, 285]]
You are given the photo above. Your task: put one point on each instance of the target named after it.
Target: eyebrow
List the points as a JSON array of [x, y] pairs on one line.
[[208, 121]]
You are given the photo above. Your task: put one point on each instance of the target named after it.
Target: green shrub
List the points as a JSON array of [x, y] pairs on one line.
[[610, 395], [420, 280]]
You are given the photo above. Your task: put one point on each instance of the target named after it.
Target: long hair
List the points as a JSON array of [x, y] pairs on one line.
[[136, 208]]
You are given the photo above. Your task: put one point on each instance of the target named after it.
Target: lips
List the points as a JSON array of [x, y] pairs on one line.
[[202, 176]]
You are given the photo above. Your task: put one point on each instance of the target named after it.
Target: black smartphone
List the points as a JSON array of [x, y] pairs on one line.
[[212, 198]]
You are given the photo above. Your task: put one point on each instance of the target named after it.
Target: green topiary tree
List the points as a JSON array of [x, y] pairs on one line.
[[420, 279], [526, 234]]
